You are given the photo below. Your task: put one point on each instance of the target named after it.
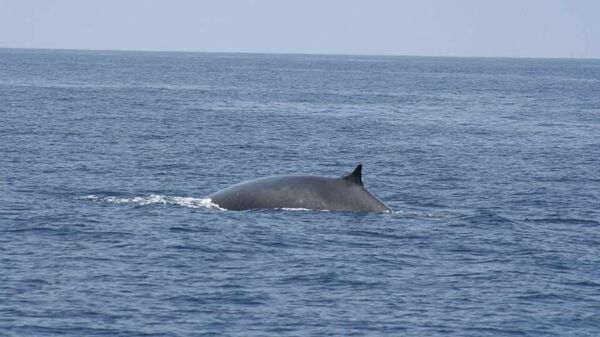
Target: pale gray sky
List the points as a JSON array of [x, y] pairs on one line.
[[519, 28]]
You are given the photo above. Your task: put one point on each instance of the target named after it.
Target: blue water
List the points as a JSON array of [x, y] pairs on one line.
[[492, 167]]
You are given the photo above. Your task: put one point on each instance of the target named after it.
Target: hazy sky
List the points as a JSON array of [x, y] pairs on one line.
[[521, 28]]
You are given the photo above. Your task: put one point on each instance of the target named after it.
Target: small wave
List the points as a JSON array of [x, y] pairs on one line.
[[155, 199], [299, 209], [417, 214]]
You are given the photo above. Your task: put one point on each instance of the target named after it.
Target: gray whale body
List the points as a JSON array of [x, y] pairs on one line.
[[296, 191]]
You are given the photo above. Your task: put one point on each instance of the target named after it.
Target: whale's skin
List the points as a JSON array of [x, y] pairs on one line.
[[301, 192]]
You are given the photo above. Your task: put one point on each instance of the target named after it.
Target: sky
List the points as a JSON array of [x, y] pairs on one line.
[[491, 28]]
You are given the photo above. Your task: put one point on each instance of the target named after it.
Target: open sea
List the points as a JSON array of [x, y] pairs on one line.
[[492, 168]]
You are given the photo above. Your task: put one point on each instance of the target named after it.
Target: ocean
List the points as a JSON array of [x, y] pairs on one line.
[[491, 167]]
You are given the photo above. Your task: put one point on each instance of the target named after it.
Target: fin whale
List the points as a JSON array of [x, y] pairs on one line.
[[296, 191]]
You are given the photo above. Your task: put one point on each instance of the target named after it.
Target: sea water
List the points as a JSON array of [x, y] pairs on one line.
[[492, 168]]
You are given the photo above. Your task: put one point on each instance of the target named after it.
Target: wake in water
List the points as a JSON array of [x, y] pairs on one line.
[[156, 199]]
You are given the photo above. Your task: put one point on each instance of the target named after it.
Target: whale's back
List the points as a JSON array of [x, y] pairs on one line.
[[308, 192]]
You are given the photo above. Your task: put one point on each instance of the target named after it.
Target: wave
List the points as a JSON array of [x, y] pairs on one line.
[[156, 199], [300, 209]]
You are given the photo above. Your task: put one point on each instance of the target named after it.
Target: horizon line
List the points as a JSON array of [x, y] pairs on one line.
[[299, 53]]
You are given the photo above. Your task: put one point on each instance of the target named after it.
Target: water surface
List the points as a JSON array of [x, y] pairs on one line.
[[492, 167]]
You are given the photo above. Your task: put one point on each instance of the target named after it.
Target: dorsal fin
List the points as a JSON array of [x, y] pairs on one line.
[[356, 175]]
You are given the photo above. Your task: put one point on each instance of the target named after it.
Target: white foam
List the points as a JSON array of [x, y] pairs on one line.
[[155, 199], [295, 209]]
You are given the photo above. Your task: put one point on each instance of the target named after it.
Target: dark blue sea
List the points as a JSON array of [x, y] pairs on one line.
[[492, 168]]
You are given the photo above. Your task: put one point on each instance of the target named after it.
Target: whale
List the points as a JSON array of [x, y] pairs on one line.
[[346, 193]]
